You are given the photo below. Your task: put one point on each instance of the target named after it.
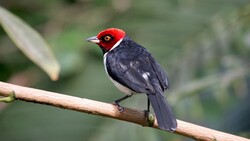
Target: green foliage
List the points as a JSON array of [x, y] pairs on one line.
[[30, 42], [203, 45]]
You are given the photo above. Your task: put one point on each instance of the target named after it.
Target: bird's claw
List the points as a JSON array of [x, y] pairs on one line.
[[146, 113], [119, 107]]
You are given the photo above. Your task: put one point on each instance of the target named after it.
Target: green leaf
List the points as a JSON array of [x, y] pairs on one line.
[[30, 43]]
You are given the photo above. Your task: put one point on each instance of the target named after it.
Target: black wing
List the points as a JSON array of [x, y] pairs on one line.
[[134, 67], [161, 74]]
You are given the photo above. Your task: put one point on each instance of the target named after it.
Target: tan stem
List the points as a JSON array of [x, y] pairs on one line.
[[108, 110]]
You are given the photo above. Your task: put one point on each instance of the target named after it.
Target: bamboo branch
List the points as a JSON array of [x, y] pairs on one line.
[[108, 110]]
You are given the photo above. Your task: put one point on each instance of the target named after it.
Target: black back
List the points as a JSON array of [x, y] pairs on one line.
[[128, 62]]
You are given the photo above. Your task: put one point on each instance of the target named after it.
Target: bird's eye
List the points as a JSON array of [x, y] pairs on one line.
[[107, 38]]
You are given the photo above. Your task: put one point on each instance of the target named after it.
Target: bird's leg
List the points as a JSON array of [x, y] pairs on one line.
[[116, 103], [148, 109], [148, 105], [149, 117]]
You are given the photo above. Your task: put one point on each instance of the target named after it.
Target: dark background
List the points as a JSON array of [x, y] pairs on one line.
[[204, 45]]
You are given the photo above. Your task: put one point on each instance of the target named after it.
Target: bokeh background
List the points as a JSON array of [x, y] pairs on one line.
[[204, 45]]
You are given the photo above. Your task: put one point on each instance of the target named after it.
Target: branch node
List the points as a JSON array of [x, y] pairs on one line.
[[150, 118], [8, 99]]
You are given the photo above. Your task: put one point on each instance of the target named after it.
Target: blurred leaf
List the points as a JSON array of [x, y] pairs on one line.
[[30, 42]]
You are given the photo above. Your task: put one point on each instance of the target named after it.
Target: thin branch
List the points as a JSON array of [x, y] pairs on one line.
[[108, 110]]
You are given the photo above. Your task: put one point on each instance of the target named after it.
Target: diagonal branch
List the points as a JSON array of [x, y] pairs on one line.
[[109, 110]]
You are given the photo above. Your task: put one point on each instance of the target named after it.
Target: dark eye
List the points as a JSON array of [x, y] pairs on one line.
[[107, 38]]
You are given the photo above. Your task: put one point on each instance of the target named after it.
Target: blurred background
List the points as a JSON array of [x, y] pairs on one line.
[[204, 46]]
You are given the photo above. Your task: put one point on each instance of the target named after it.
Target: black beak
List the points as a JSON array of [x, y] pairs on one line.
[[93, 40]]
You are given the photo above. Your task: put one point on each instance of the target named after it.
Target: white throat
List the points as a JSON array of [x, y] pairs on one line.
[[116, 44]]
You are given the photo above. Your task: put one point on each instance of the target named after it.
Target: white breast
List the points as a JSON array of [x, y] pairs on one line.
[[117, 84]]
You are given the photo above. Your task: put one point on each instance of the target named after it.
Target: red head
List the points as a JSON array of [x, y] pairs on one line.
[[108, 38]]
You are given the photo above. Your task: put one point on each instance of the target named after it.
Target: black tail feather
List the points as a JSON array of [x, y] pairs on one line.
[[163, 112]]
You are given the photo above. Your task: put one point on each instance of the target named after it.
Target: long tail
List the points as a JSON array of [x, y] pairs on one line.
[[164, 115]]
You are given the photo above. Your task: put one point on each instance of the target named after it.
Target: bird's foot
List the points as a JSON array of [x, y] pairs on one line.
[[149, 117], [119, 107]]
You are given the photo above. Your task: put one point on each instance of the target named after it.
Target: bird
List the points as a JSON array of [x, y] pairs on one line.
[[133, 70]]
